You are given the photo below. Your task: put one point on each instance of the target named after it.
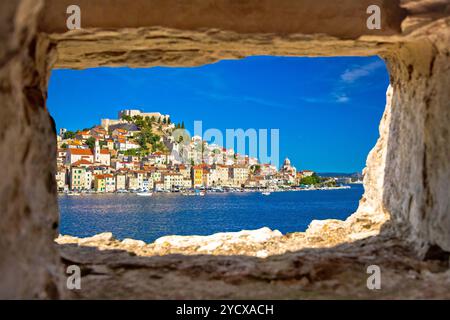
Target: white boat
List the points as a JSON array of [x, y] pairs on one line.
[[266, 193], [144, 194]]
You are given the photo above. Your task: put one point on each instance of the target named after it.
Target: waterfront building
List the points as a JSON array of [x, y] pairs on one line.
[[197, 176], [156, 175], [99, 183], [184, 171], [187, 183], [104, 183], [239, 174], [132, 182], [147, 184], [88, 178], [222, 174], [61, 181], [172, 180], [77, 178]]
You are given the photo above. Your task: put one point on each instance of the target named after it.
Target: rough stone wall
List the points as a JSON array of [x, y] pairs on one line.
[[371, 213], [417, 168], [28, 216]]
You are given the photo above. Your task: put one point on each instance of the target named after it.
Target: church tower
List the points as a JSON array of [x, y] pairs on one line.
[[97, 151]]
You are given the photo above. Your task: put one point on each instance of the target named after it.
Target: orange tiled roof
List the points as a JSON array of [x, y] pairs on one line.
[[80, 152], [81, 162], [103, 176]]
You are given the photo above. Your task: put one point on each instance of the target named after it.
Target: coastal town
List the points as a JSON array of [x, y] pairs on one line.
[[137, 152]]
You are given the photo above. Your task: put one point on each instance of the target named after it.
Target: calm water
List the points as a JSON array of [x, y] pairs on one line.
[[148, 218]]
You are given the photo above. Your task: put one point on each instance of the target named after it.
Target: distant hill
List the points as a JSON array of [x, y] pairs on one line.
[[340, 174]]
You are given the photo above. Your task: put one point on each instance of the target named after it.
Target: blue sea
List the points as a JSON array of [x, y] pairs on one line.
[[148, 218]]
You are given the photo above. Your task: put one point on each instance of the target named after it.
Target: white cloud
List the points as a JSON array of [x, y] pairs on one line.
[[342, 98], [351, 75]]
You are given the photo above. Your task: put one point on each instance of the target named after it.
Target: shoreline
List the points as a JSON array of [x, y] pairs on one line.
[[206, 192]]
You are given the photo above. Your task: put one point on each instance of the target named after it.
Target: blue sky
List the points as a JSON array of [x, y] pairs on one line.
[[327, 109]]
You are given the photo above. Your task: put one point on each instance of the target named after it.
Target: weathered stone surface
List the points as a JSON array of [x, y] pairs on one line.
[[346, 20], [417, 167], [29, 264], [311, 273], [258, 243]]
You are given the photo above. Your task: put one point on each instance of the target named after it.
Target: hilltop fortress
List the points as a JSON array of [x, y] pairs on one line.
[[132, 112]]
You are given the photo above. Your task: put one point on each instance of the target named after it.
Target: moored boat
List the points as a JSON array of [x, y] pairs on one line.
[[144, 194], [73, 193]]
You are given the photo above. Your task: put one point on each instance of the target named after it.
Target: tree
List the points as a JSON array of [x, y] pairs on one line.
[[64, 146], [69, 135], [313, 179], [127, 118], [148, 122], [133, 152], [255, 169], [182, 125], [90, 142]]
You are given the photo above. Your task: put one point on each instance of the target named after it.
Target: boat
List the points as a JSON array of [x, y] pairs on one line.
[[200, 192], [144, 194], [73, 193], [266, 193]]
